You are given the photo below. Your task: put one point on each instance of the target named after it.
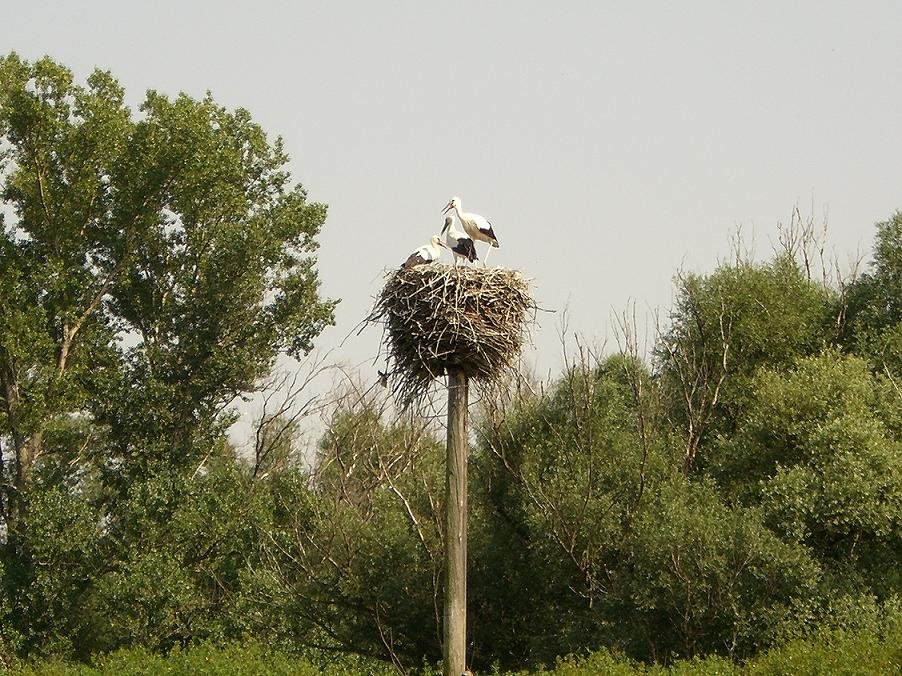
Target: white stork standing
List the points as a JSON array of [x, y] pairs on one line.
[[459, 243], [476, 226], [428, 253]]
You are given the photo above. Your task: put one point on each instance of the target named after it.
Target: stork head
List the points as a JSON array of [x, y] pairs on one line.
[[437, 240], [448, 222], [453, 203]]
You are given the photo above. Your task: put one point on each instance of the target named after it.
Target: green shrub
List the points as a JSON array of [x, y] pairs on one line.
[[249, 659], [833, 653]]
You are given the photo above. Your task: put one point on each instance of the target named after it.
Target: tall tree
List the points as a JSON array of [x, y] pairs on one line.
[[151, 267]]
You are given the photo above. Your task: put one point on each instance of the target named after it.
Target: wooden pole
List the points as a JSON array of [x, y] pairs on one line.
[[455, 629]]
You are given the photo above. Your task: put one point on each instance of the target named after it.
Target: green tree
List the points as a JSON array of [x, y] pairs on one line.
[[152, 268], [814, 452], [173, 563], [703, 577], [873, 312], [352, 560], [592, 536], [557, 481], [726, 325]]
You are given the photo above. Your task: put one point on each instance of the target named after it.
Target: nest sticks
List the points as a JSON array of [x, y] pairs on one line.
[[438, 317]]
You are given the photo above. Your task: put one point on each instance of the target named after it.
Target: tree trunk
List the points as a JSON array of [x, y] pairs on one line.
[[25, 450], [455, 630], [26, 457]]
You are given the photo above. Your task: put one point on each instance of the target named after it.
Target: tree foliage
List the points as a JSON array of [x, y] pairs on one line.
[[153, 267]]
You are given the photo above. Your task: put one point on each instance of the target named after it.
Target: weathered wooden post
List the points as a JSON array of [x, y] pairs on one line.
[[455, 629], [466, 323]]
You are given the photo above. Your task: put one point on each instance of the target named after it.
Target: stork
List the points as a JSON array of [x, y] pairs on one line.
[[459, 243], [428, 253], [476, 226]]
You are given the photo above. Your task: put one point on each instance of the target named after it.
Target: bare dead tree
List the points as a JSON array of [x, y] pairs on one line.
[[845, 277], [699, 374], [645, 409], [805, 240], [287, 399], [369, 453]]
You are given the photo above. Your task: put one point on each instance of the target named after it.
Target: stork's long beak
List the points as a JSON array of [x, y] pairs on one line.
[[442, 244], [447, 208], [445, 226]]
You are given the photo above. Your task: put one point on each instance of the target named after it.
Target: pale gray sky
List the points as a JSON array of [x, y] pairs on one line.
[[610, 143]]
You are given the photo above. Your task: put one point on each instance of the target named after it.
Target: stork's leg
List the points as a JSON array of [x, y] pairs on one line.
[[485, 260]]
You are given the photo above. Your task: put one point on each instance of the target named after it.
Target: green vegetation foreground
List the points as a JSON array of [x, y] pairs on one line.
[[861, 653], [737, 499]]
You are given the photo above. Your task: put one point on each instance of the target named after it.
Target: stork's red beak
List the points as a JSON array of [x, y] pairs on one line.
[[447, 208]]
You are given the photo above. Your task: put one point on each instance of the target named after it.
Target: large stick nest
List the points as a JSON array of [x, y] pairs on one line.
[[438, 317]]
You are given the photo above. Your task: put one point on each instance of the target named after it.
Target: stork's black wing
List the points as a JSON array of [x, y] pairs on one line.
[[489, 232], [466, 247]]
